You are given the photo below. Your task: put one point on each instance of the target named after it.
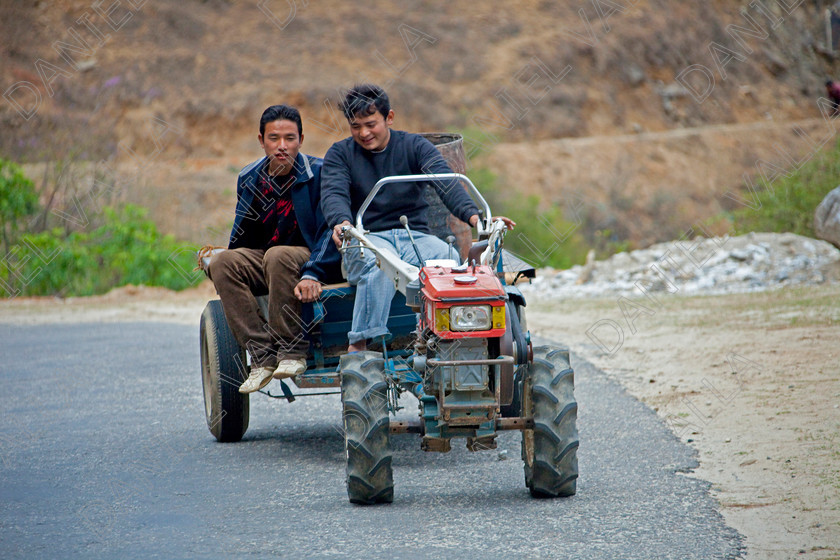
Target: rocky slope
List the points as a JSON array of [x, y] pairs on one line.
[[721, 265], [174, 89], [523, 70]]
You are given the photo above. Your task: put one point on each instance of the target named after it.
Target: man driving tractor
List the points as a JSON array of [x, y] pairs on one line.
[[351, 168]]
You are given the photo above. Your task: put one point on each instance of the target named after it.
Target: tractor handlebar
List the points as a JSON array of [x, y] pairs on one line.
[[472, 191]]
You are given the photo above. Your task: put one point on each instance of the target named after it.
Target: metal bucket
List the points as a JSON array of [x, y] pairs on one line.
[[441, 221]]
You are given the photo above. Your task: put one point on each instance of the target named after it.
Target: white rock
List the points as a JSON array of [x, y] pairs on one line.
[[740, 264], [827, 218]]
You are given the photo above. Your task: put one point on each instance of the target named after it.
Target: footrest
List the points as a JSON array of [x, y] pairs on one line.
[[317, 380]]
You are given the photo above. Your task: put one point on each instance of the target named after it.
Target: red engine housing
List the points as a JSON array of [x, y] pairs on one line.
[[444, 288]]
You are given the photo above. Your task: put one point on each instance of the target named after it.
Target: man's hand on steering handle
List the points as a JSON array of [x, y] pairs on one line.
[[510, 224], [337, 233]]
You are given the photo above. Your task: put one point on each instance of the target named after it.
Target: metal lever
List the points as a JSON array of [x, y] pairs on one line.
[[450, 239], [404, 222]]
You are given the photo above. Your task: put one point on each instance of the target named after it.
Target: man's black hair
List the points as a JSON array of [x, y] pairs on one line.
[[281, 113], [364, 100], [829, 82]]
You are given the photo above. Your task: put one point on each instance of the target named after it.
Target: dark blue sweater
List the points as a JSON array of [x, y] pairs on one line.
[[350, 172]]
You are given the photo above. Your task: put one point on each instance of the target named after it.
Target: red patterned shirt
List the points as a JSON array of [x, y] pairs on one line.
[[277, 223]]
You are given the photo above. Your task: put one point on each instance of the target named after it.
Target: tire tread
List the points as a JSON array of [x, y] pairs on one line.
[[554, 468], [366, 426]]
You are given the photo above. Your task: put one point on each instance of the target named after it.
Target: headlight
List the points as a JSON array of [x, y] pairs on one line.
[[469, 318]]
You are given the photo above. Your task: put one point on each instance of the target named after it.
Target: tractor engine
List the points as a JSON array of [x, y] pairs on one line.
[[462, 318]]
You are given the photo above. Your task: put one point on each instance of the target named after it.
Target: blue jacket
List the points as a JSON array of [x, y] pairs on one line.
[[324, 262]]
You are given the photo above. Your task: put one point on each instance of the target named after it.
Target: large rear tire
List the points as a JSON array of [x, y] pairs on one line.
[[364, 398], [550, 449], [223, 369]]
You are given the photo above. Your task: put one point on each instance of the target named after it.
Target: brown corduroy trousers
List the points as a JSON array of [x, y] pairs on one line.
[[240, 275]]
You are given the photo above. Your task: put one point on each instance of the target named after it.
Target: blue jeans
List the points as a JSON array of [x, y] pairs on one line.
[[374, 290]]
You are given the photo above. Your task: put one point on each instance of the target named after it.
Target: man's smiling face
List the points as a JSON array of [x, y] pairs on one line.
[[372, 132]]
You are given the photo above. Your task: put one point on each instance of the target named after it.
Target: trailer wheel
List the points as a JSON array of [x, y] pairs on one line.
[[223, 369], [364, 398], [550, 449]]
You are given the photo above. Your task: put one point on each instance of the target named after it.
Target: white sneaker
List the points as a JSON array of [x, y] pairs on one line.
[[289, 368], [258, 379]]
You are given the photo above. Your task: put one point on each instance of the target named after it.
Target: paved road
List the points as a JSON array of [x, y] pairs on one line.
[[104, 453]]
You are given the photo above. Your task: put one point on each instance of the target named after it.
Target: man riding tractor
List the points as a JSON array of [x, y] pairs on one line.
[[454, 335]]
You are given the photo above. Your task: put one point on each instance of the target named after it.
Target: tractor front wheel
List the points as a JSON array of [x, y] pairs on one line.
[[364, 398], [550, 449]]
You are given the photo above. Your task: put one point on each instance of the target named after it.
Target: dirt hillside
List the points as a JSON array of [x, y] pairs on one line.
[[549, 69], [175, 89]]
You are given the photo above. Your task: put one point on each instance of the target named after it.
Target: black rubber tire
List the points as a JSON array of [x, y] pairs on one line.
[[223, 369], [367, 445], [550, 449]]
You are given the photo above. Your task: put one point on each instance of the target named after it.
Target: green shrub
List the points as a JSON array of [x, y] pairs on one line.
[[126, 249], [543, 235], [788, 204], [18, 201]]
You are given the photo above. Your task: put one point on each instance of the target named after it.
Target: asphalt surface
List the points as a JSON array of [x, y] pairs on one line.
[[104, 453]]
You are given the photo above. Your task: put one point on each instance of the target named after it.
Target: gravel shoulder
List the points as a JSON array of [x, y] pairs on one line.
[[750, 380]]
